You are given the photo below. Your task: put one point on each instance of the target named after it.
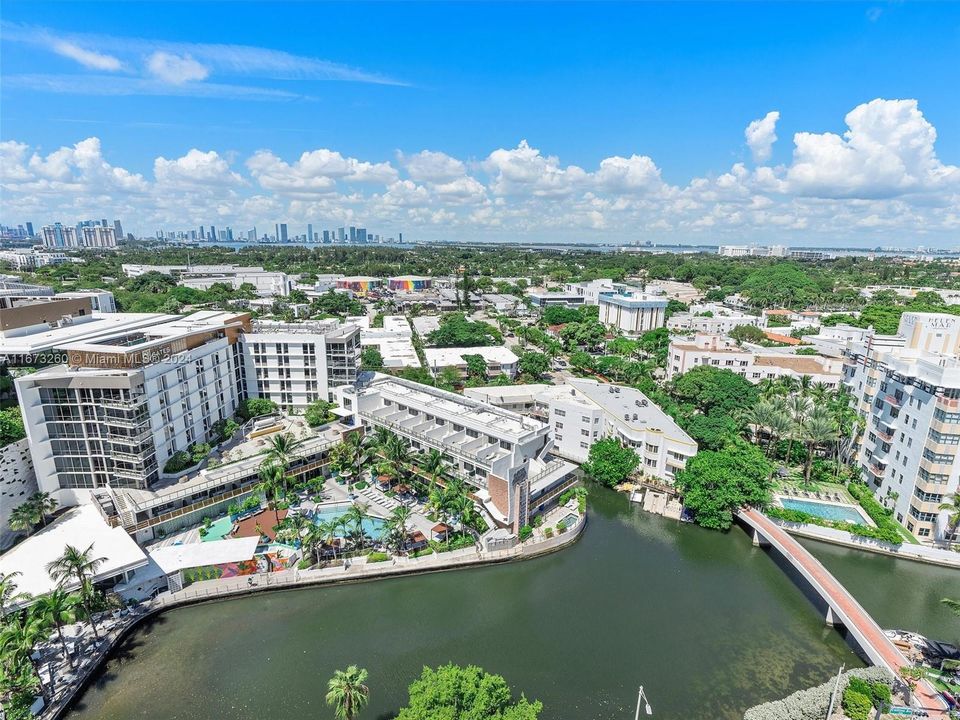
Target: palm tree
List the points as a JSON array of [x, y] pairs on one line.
[[356, 445], [397, 524], [798, 407], [271, 480], [24, 517], [18, 640], [45, 505], [347, 693], [57, 608], [355, 517], [8, 591], [81, 565], [281, 453], [953, 519], [816, 430]]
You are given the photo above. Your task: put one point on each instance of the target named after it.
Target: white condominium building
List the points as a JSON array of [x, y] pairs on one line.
[[124, 403], [295, 364], [632, 313], [753, 363], [713, 318], [907, 388], [120, 408], [581, 412], [501, 453]]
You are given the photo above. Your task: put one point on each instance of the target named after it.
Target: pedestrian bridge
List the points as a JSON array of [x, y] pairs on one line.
[[842, 608]]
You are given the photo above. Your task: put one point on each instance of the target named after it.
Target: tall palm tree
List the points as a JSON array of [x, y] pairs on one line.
[[816, 430], [82, 566], [397, 524], [798, 407], [57, 608], [271, 481], [282, 448], [953, 519], [355, 516], [9, 594], [357, 452], [347, 692]]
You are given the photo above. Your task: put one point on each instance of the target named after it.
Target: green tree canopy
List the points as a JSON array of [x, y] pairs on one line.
[[452, 692], [609, 462], [457, 331], [782, 284], [748, 333], [708, 388], [11, 426], [717, 482], [534, 364], [371, 358], [252, 407]]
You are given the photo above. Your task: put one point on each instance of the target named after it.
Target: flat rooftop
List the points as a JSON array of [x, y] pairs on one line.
[[805, 365], [80, 527], [478, 414], [100, 327], [442, 357]]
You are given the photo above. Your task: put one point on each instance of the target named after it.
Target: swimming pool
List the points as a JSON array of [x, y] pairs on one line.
[[373, 527], [219, 529], [827, 511]]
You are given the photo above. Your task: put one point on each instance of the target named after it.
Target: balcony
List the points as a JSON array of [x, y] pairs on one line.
[[877, 469], [894, 400], [884, 434]]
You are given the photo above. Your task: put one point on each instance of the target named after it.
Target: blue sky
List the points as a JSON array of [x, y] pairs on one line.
[[665, 91]]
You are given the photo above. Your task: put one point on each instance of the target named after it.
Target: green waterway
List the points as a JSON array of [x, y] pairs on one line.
[[709, 624]]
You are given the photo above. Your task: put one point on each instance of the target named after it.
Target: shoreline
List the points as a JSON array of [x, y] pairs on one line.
[[60, 706]]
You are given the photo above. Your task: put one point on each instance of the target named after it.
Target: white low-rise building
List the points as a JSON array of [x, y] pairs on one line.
[[393, 340], [499, 359], [713, 318], [582, 411], [504, 455], [751, 362]]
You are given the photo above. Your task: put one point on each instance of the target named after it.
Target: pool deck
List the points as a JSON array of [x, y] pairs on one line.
[[865, 519]]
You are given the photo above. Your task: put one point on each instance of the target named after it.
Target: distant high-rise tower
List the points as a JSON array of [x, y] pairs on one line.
[[326, 236], [203, 235], [29, 229], [213, 233], [309, 232], [341, 234], [118, 230], [283, 232]]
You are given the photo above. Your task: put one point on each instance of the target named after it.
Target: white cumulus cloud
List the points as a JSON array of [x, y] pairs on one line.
[[761, 135]]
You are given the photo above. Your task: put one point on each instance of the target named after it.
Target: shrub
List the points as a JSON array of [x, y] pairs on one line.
[[525, 532], [422, 553], [548, 532], [305, 564], [199, 452], [857, 706], [178, 462], [376, 557], [253, 407], [361, 485]]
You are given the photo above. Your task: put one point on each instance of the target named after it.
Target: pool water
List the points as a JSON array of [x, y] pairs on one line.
[[827, 511], [373, 527], [219, 529]]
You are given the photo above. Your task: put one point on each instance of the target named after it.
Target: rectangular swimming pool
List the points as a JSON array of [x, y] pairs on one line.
[[825, 510]]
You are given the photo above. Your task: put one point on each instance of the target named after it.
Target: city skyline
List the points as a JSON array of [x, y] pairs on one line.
[[760, 127]]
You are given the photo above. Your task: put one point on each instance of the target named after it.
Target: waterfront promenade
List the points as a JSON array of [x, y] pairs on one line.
[[842, 607], [357, 570]]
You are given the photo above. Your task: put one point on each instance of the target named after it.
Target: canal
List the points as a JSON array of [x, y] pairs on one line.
[[707, 623]]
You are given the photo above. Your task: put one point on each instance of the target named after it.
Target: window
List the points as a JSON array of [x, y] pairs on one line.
[[922, 516], [585, 433], [938, 478], [944, 438], [560, 413], [946, 417], [584, 445], [926, 496], [558, 426], [942, 458]]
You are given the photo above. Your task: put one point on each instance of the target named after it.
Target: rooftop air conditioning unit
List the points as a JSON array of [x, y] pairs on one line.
[[626, 416], [635, 416]]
